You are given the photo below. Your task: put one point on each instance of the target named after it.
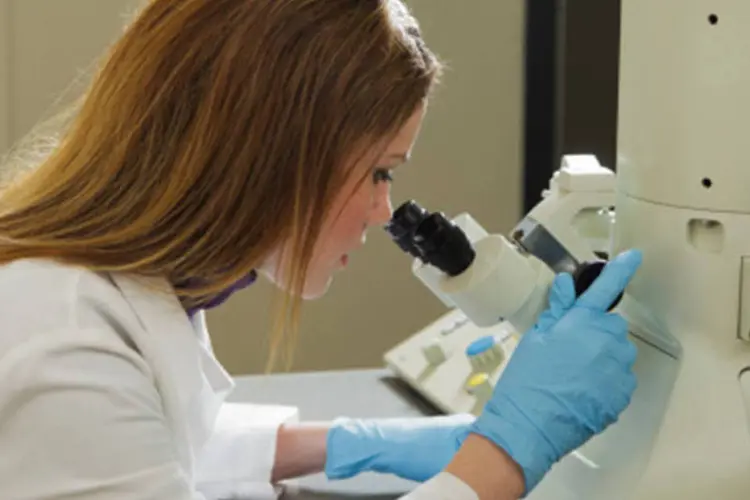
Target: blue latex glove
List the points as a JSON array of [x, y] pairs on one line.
[[569, 378], [411, 448]]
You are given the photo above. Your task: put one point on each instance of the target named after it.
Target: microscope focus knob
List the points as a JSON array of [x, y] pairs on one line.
[[434, 353], [586, 274], [485, 354]]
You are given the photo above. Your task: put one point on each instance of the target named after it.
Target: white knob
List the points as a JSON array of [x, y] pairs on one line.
[[434, 353]]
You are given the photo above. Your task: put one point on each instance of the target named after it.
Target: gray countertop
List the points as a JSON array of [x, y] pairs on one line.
[[326, 395]]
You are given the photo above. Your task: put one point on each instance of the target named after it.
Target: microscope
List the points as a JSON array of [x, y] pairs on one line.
[[681, 195]]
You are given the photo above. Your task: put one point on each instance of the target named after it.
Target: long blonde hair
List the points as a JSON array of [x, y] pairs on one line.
[[215, 131]]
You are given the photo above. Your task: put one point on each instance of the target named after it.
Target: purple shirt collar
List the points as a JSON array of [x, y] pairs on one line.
[[220, 298]]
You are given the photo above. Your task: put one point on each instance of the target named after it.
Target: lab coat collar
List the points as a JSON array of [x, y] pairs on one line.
[[183, 348]]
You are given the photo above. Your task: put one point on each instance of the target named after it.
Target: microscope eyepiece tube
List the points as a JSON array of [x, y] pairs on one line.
[[484, 275], [431, 238], [404, 222], [444, 245]]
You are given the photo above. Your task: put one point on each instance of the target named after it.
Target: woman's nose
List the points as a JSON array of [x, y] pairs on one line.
[[382, 209]]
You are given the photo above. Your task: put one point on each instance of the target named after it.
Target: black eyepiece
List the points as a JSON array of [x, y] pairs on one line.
[[432, 238], [404, 223]]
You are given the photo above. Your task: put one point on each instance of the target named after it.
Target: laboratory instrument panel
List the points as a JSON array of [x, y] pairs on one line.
[[453, 363]]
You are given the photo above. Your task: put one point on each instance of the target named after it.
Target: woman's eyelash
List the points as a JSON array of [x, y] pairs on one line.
[[382, 175]]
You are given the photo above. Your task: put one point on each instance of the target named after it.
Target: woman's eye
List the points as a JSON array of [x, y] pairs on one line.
[[382, 175]]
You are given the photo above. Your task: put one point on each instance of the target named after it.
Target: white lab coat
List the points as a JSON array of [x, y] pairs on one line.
[[109, 392]]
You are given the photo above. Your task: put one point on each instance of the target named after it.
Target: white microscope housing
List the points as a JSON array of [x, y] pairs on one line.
[[492, 278], [682, 196]]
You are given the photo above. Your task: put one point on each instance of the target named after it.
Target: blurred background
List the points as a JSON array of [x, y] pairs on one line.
[[526, 82]]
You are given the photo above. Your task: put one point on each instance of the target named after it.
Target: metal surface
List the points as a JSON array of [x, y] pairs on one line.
[[540, 242], [327, 395]]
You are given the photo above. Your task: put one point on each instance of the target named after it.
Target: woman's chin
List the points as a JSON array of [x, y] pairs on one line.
[[317, 290], [316, 285]]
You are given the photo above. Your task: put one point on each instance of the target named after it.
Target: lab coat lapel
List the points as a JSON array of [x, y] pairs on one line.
[[218, 382], [181, 351]]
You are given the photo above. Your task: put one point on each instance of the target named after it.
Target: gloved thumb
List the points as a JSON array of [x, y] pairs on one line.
[[612, 281], [562, 296]]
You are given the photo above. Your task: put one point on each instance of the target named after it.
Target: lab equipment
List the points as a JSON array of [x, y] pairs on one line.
[[569, 377], [471, 269], [496, 285], [565, 343], [681, 196], [411, 448]]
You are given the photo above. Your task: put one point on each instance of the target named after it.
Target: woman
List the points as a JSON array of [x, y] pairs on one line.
[[222, 139]]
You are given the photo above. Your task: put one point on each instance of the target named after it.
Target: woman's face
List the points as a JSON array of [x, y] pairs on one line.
[[358, 206]]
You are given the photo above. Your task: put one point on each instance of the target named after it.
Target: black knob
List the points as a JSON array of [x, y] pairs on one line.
[[586, 274]]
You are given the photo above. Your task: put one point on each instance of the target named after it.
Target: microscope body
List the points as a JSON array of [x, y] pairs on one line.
[[508, 278], [682, 197], [456, 361]]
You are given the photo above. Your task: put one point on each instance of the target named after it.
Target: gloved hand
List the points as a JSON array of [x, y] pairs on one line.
[[569, 377], [411, 448]]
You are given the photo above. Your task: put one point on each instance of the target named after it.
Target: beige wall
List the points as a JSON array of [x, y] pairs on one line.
[[52, 45], [5, 38], [468, 158]]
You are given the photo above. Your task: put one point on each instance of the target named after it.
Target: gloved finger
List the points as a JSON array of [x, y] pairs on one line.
[[625, 352], [562, 296], [620, 397], [611, 282], [616, 325], [630, 354], [628, 387]]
